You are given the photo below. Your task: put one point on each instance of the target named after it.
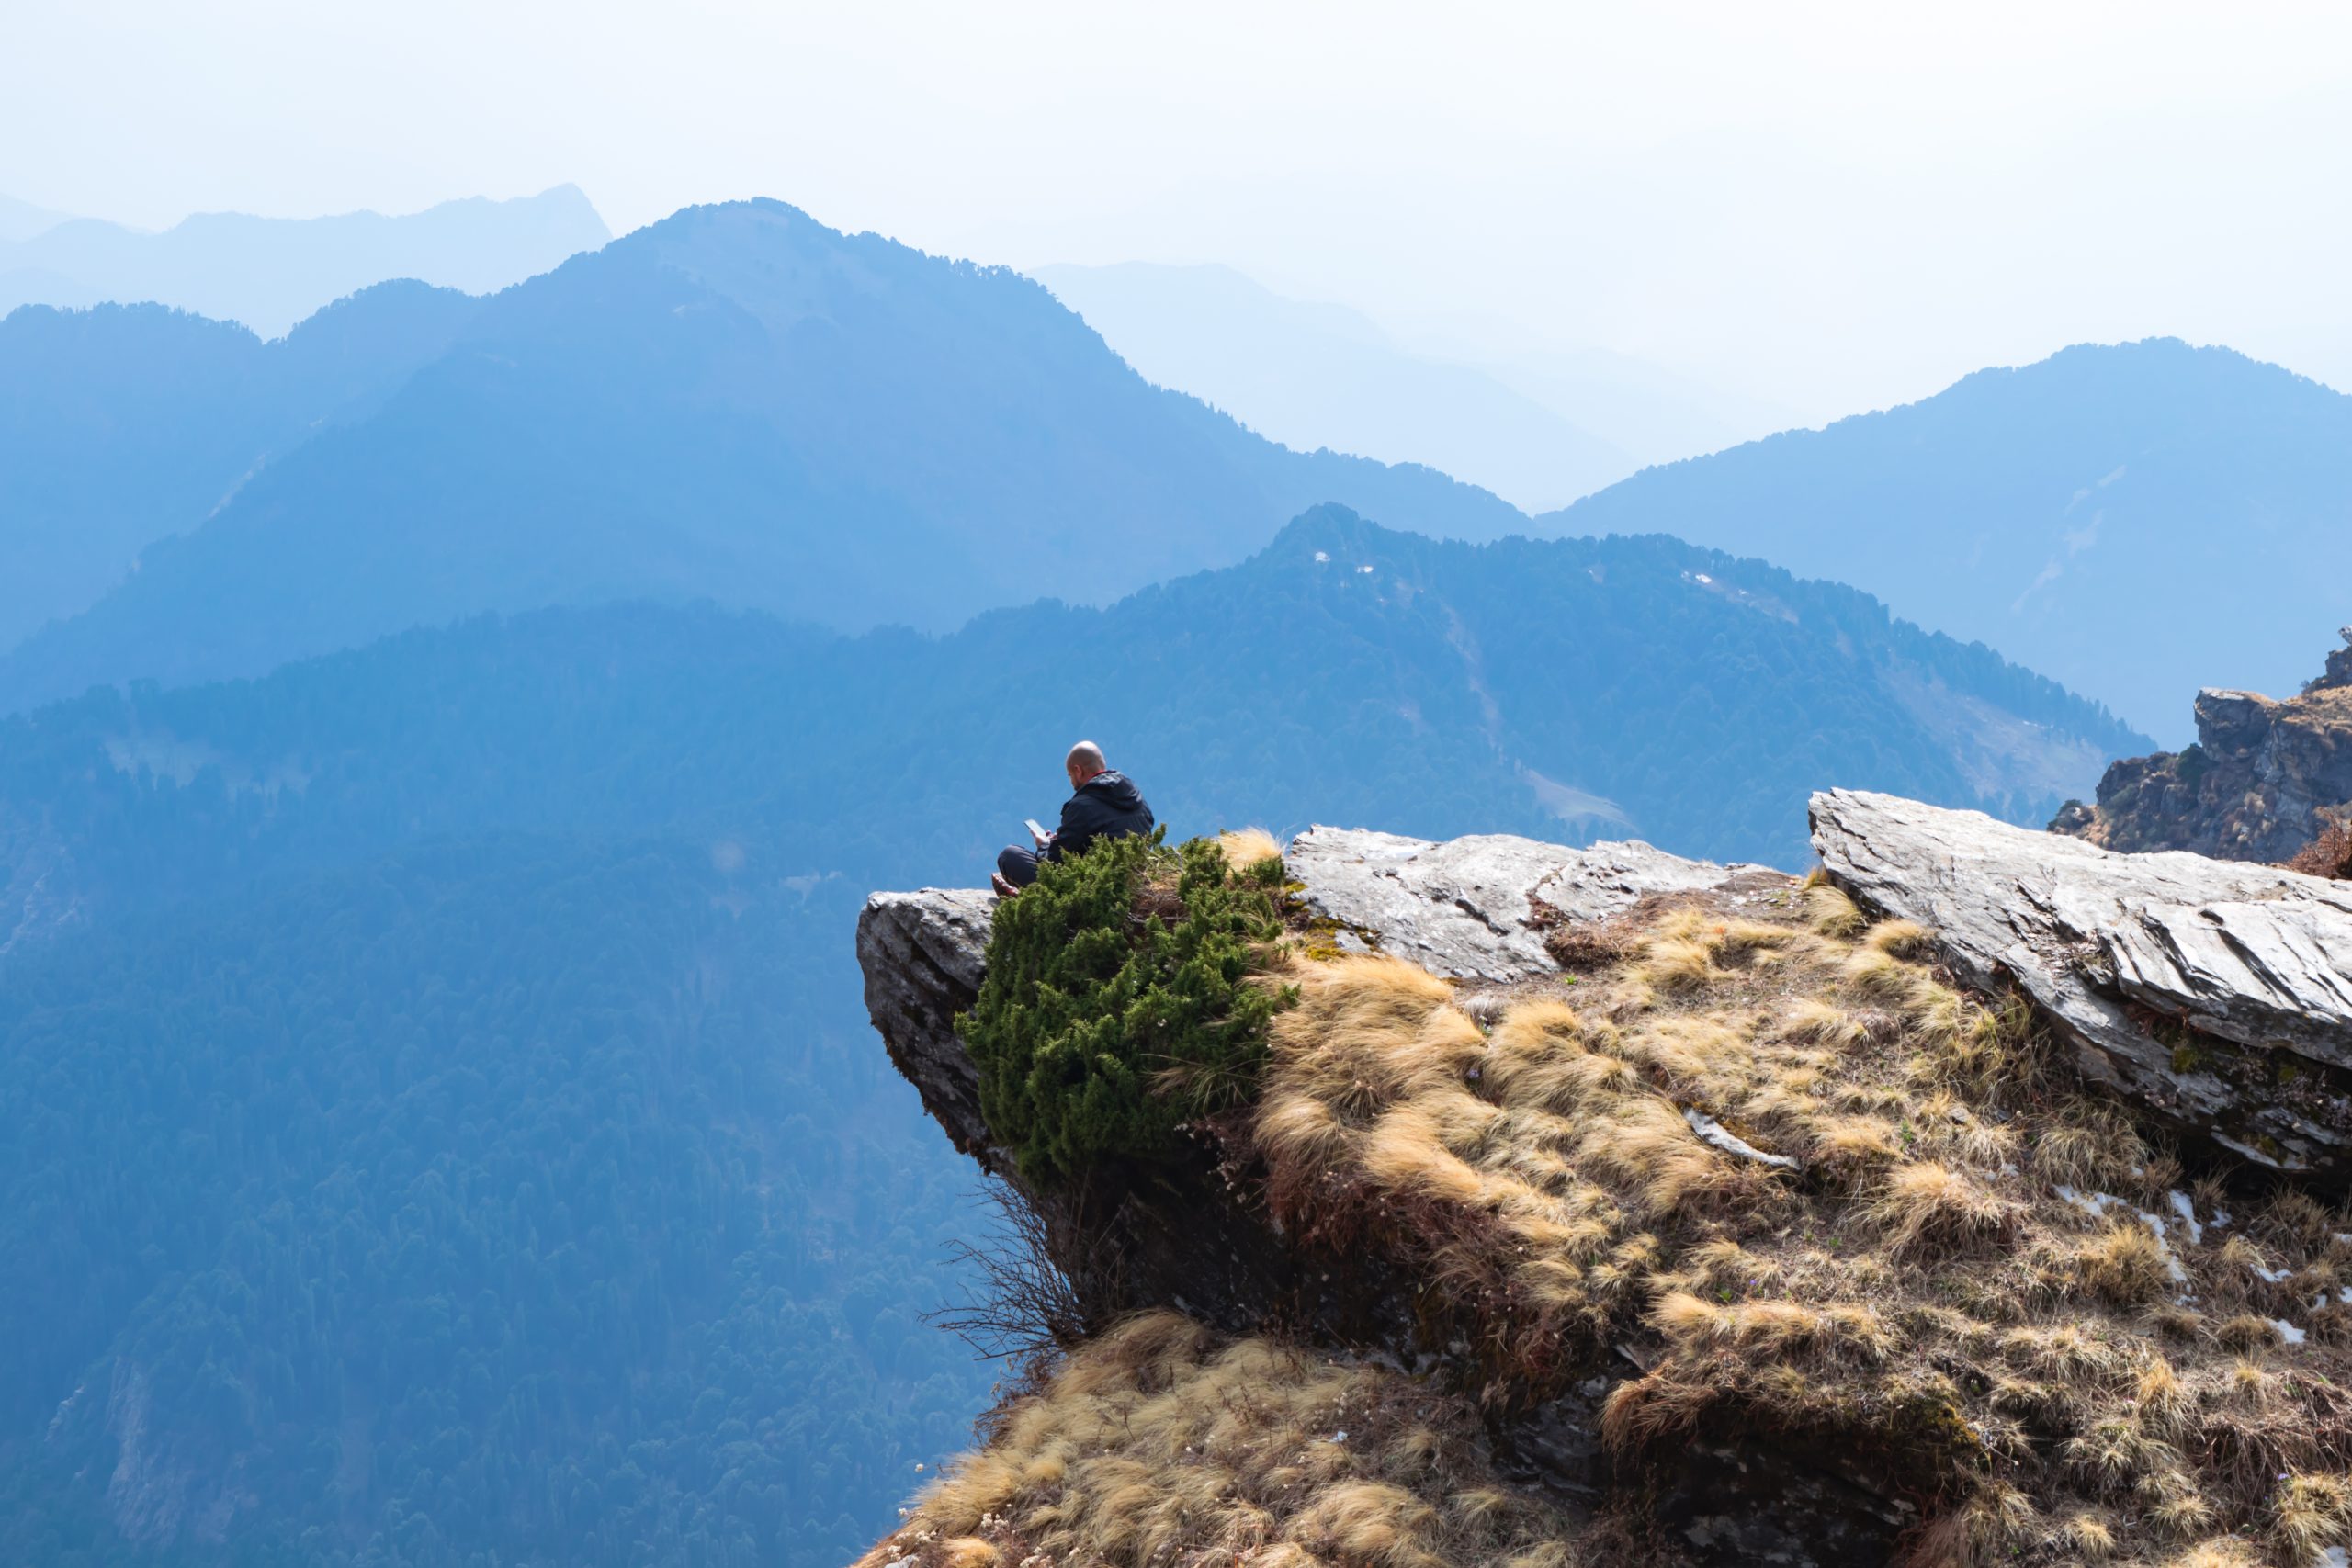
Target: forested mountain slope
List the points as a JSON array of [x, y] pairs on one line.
[[1593, 688], [735, 403], [122, 424], [434, 1115], [2136, 521], [502, 1201]]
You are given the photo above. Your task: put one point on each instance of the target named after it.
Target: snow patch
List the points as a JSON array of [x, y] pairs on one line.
[[2098, 1203]]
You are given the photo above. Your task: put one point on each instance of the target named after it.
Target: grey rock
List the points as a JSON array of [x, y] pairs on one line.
[[2217, 994], [2263, 780], [1713, 1131], [922, 954], [2338, 673], [1477, 908]]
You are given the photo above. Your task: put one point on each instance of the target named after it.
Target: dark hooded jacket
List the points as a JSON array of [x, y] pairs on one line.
[[1107, 805]]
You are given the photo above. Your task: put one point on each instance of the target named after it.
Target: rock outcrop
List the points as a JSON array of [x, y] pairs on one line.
[[2260, 784], [1477, 907], [1681, 1303], [2338, 673], [922, 954], [1470, 908], [2216, 995], [1188, 1234], [1474, 909]]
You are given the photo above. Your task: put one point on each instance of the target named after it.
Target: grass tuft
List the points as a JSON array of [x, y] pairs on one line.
[[1247, 848], [1831, 913], [1160, 1443], [1933, 1207]]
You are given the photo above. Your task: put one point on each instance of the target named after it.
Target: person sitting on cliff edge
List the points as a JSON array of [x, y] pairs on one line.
[[1103, 804]]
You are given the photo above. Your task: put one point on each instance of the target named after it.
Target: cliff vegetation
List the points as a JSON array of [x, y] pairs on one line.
[[1119, 1001]]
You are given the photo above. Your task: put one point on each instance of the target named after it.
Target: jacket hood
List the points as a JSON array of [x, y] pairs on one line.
[[1114, 787]]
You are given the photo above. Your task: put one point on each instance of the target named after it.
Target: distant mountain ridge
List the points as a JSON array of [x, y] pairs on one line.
[[269, 273], [1583, 688], [2134, 521], [737, 403], [122, 424], [22, 219], [1539, 422], [1312, 375]]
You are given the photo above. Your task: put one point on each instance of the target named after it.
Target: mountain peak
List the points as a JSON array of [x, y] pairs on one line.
[[737, 403], [2056, 510]]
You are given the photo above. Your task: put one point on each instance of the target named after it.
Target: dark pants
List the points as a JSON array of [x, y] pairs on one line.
[[1017, 865]]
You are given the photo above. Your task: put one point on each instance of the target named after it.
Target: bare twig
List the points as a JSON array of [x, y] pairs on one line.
[[1019, 1306]]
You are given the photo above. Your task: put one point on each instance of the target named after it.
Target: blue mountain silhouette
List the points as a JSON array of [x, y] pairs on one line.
[[737, 403], [2134, 521]]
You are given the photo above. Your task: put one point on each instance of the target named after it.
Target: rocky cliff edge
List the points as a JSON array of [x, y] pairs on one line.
[[2264, 780], [1968, 1202]]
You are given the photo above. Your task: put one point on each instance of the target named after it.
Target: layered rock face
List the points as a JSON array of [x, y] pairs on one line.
[[2259, 785], [2215, 996]]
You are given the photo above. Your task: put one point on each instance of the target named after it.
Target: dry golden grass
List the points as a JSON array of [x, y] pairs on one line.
[[1823, 1021], [1158, 1443], [1831, 913], [2309, 1514], [2220, 1553], [2088, 1537], [1974, 1280], [1902, 939], [1927, 1203], [1677, 966], [1543, 1177], [1247, 847], [2125, 1263]]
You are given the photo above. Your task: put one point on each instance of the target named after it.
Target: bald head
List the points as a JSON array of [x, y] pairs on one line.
[[1085, 761]]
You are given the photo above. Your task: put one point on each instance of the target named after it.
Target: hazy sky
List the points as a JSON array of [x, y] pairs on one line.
[[1829, 207]]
